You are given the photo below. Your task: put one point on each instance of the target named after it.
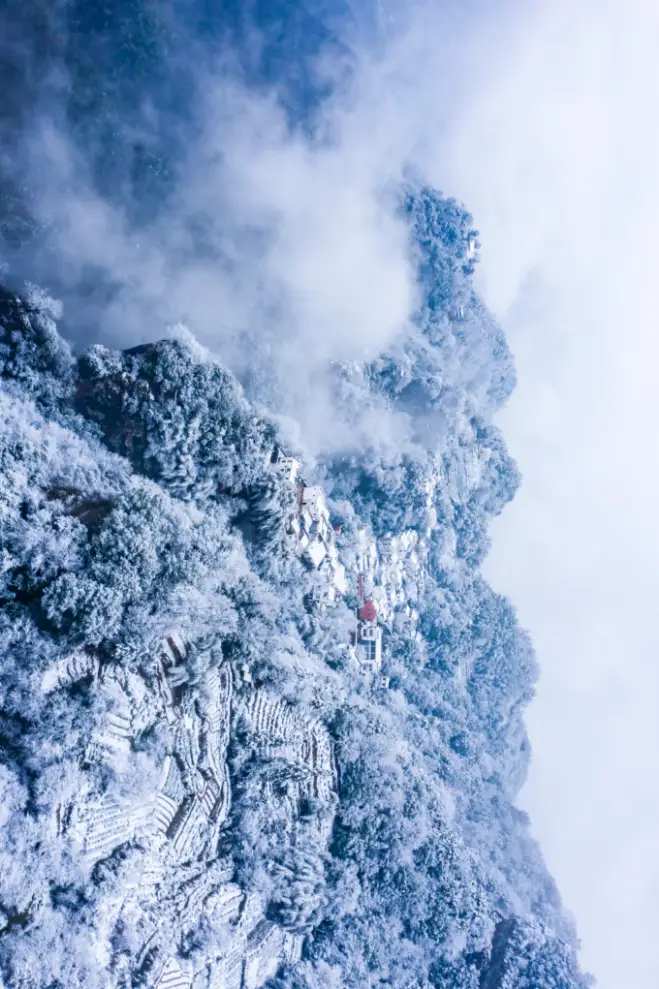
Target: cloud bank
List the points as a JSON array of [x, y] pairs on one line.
[[558, 161]]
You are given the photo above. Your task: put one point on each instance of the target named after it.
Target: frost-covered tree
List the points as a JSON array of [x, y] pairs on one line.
[[180, 420], [32, 353]]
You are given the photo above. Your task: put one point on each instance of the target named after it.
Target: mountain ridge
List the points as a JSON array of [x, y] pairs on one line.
[[141, 509]]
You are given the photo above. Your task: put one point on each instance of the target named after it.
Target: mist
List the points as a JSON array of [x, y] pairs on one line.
[[557, 158]]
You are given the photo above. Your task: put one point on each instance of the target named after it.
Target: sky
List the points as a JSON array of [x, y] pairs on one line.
[[558, 159], [542, 118]]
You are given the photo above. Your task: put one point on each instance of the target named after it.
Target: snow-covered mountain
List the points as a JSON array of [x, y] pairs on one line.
[[262, 719]]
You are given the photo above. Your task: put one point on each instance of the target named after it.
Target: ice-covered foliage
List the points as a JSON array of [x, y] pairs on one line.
[[196, 782], [180, 420], [32, 354]]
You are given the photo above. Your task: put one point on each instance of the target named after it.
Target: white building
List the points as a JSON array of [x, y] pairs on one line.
[[471, 246], [339, 578], [316, 551], [334, 573], [287, 466], [368, 647], [313, 500], [310, 526]]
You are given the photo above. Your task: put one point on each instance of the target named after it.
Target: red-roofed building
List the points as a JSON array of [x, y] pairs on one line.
[[368, 612]]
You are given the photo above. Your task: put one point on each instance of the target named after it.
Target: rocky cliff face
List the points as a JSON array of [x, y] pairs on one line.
[[179, 827]]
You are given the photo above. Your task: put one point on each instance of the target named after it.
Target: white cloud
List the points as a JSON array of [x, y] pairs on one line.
[[558, 158], [269, 237]]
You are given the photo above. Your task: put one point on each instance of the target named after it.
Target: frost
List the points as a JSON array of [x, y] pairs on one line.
[[201, 789]]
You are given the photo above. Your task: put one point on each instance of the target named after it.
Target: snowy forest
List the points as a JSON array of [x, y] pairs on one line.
[[199, 785]]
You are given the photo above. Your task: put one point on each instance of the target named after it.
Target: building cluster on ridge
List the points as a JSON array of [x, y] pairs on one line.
[[381, 570], [310, 525], [316, 541]]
